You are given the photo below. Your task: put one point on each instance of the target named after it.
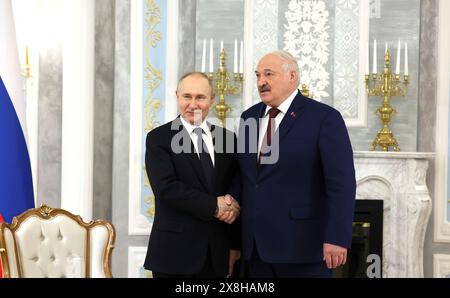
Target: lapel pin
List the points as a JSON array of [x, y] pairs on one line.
[[293, 114]]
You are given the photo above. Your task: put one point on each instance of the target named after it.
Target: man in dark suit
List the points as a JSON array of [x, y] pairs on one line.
[[190, 164], [298, 184]]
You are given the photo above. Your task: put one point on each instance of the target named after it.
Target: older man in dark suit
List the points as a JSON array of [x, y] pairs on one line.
[[298, 184], [190, 164]]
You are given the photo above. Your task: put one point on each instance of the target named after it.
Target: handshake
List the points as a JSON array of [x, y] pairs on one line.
[[228, 209]]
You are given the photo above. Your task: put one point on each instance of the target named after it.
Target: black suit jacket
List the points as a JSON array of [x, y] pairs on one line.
[[184, 225]]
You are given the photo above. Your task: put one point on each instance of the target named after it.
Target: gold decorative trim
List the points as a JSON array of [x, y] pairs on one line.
[[45, 212], [152, 81], [4, 253]]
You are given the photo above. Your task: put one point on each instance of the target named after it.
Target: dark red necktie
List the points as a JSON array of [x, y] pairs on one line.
[[267, 142]]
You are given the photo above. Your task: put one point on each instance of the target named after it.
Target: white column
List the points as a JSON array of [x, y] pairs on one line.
[[441, 224], [78, 107], [249, 71]]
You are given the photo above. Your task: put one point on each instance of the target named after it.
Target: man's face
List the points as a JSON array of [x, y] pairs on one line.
[[274, 83], [194, 99]]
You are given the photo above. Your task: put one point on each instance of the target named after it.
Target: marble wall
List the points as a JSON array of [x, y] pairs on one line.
[[103, 108], [50, 127]]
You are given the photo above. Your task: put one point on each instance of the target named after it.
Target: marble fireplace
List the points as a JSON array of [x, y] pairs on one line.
[[399, 179]]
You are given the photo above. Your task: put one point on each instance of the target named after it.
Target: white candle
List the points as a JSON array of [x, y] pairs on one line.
[[204, 56], [236, 54], [211, 56], [374, 56], [221, 45], [241, 64], [386, 50], [406, 60], [397, 69]]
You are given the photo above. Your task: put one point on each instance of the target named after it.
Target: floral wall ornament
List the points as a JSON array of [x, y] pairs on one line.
[[153, 79], [308, 39]]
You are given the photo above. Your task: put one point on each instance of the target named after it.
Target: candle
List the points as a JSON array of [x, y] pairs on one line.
[[236, 54], [387, 48], [241, 64], [221, 45], [211, 56], [397, 69], [406, 60], [204, 56], [375, 56]]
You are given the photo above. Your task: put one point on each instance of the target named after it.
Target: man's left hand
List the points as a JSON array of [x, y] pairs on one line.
[[334, 255]]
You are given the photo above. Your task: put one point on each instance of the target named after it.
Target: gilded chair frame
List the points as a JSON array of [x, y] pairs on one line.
[[45, 212]]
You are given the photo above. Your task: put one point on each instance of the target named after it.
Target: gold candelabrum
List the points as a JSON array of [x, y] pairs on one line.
[[223, 86], [386, 85]]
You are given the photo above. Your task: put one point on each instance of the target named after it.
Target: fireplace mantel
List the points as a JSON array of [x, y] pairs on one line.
[[399, 179]]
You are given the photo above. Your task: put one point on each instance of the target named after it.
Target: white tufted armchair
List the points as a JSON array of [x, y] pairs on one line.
[[54, 243]]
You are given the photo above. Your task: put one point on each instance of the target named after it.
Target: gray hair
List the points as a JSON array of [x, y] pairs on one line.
[[196, 74], [291, 65]]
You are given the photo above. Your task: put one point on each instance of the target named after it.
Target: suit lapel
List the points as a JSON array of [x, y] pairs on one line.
[[192, 155], [295, 111]]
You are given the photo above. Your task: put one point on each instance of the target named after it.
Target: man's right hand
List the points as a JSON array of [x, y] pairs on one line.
[[228, 209]]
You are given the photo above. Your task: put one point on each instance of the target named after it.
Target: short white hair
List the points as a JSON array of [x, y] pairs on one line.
[[291, 65]]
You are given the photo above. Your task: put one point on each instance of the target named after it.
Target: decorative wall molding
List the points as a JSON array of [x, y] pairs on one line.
[[265, 36], [351, 40], [399, 180], [136, 259], [307, 38], [138, 224], [153, 83], [441, 224], [441, 264]]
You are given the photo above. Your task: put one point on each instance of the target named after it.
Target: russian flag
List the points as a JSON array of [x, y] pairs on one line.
[[1, 272], [16, 184]]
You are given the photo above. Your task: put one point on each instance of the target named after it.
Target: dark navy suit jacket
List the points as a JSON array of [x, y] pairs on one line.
[[184, 227], [305, 199]]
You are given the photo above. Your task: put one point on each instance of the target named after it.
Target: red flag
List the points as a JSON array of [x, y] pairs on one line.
[[1, 273]]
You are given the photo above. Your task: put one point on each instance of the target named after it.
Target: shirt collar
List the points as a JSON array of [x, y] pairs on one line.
[[284, 107], [190, 128]]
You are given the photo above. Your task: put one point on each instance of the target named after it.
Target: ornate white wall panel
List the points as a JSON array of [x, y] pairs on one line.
[[307, 38], [351, 49], [154, 76]]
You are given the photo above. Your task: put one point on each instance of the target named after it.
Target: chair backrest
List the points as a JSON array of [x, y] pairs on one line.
[[54, 243]]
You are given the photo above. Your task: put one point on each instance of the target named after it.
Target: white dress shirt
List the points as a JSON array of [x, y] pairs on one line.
[[284, 107], [207, 137]]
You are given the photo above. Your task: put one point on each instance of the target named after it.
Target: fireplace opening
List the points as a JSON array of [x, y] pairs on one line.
[[367, 239]]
